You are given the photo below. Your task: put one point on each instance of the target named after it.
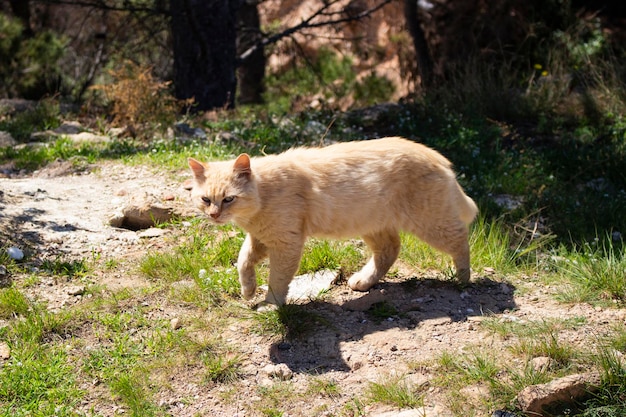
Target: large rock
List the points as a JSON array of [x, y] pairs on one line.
[[535, 398], [6, 139], [142, 213], [71, 130]]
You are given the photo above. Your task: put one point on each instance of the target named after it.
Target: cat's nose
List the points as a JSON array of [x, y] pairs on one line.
[[214, 215]]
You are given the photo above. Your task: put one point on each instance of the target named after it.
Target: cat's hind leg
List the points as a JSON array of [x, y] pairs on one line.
[[251, 253], [450, 237], [385, 247], [284, 263]]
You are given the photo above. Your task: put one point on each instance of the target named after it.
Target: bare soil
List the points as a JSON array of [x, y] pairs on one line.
[[60, 213]]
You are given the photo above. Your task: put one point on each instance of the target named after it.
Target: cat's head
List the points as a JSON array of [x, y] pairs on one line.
[[225, 191]]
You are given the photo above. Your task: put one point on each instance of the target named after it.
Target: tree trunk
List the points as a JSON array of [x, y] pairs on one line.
[[251, 71], [204, 41], [424, 61], [21, 9]]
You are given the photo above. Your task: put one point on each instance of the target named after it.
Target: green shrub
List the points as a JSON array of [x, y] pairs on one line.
[[29, 67]]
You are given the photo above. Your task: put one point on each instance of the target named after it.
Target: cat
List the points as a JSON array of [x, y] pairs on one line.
[[373, 189]]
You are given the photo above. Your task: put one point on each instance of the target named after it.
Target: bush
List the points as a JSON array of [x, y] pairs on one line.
[[29, 66], [138, 100]]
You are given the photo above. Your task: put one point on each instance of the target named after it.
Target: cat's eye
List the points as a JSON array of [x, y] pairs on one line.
[[206, 199], [229, 199]]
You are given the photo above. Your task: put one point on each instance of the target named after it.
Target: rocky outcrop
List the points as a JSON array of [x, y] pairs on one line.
[[535, 398]]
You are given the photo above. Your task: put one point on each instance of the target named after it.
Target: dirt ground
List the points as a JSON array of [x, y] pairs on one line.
[[61, 212]]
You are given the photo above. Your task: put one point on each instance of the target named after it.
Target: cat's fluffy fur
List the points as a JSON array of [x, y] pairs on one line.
[[373, 189]]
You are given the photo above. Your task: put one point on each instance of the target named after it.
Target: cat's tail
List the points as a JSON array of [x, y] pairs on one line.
[[467, 208]]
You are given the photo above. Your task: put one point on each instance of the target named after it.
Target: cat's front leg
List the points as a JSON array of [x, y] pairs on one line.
[[284, 263], [251, 253]]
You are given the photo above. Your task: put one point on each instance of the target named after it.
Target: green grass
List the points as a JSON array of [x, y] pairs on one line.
[[506, 374], [38, 379], [13, 302], [328, 254], [397, 392], [492, 245], [70, 269], [610, 399], [207, 257], [324, 387], [593, 273], [457, 371], [43, 116]]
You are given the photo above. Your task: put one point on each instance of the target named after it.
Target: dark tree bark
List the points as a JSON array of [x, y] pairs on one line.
[[422, 53], [204, 41], [21, 9], [251, 72]]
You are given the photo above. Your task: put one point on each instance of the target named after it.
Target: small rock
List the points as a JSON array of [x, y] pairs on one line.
[[5, 351], [280, 371], [86, 137], [188, 184], [152, 232], [542, 363], [15, 253], [68, 128], [568, 389], [284, 346], [176, 323], [76, 290]]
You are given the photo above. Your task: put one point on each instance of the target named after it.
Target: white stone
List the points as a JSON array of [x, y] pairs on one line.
[[15, 253], [310, 286]]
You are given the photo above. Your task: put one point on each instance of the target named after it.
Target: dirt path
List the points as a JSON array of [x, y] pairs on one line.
[[60, 213]]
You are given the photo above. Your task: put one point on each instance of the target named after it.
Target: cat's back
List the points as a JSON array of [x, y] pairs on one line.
[[352, 188], [375, 155]]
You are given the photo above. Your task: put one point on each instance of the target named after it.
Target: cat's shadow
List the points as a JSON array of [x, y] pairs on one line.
[[334, 330]]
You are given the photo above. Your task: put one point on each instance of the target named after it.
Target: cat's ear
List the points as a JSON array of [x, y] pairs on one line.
[[197, 168], [242, 165]]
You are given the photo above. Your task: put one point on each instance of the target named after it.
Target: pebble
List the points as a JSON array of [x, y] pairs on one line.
[[5, 351], [176, 323], [76, 290], [15, 253], [280, 371]]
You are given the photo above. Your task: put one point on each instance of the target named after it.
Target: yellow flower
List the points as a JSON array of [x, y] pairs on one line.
[[544, 73], [538, 66]]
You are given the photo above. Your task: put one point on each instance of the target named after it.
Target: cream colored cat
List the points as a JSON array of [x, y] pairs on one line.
[[373, 189]]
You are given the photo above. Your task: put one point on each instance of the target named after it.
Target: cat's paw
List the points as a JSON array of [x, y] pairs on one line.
[[265, 307], [361, 282], [463, 276], [248, 292]]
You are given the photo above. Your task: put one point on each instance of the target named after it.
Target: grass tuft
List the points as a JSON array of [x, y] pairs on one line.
[[595, 273], [396, 391]]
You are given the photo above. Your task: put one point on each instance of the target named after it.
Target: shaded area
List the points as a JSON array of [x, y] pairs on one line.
[[428, 303]]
